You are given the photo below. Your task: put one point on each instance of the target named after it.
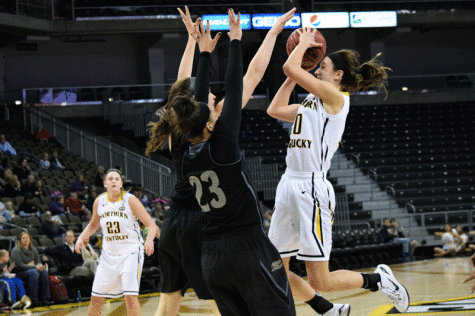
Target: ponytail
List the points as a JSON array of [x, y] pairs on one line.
[[360, 77], [160, 130]]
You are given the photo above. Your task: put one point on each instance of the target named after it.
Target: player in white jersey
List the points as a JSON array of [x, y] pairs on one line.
[[120, 264], [305, 200]]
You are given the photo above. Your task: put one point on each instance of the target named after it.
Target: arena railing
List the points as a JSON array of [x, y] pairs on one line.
[[145, 172], [42, 9]]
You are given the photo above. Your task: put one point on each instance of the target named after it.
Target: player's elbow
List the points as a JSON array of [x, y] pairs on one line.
[[271, 111], [287, 69], [290, 70]]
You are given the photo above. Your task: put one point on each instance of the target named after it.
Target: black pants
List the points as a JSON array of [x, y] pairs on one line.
[[246, 276], [179, 252]]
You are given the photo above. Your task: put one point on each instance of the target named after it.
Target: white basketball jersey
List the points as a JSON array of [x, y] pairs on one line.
[[120, 230], [315, 135]]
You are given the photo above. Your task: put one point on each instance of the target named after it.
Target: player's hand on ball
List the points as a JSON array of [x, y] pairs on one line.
[[307, 37]]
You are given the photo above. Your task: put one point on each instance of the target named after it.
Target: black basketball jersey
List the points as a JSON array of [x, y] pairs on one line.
[[224, 192], [182, 193]]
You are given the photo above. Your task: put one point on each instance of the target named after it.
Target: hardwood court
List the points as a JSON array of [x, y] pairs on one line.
[[436, 282]]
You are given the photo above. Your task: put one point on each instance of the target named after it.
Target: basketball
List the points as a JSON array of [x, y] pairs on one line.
[[313, 55]]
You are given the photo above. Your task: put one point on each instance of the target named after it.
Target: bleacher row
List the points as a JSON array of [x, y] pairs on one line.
[[422, 155]]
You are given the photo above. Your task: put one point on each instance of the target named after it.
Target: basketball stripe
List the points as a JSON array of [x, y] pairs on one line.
[[318, 222]]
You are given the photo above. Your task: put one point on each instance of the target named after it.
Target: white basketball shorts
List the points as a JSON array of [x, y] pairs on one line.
[[118, 275], [302, 221]]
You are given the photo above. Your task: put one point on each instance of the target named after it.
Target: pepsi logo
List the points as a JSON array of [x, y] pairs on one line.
[[315, 20]]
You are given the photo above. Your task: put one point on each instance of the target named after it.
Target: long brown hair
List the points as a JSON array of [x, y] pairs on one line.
[[165, 126], [187, 113], [30, 247], [361, 77]]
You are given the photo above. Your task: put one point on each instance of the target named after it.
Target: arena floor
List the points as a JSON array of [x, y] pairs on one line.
[[435, 288]]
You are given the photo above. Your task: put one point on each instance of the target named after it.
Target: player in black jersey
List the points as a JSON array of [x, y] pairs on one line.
[[242, 268], [181, 235], [179, 247]]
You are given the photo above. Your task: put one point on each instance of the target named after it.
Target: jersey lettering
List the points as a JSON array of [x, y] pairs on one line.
[[116, 238], [300, 143], [297, 125], [210, 177], [113, 227], [114, 213]]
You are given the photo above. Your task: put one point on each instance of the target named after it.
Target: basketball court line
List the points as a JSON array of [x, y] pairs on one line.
[[444, 307]]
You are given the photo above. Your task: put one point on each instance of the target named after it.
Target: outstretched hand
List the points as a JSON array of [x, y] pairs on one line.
[[235, 31], [280, 22], [186, 18], [203, 37], [307, 37]]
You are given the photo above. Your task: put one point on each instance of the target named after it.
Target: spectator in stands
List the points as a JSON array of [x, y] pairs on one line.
[[74, 206], [71, 262], [31, 271], [78, 186], [12, 285], [29, 185], [139, 194], [449, 243], [158, 209], [8, 174], [462, 240], [28, 207], [99, 179], [13, 187], [54, 161], [3, 166], [22, 170], [5, 147], [56, 206], [91, 197], [387, 232], [50, 228], [87, 219], [42, 135], [409, 245], [44, 162], [8, 213], [40, 192]]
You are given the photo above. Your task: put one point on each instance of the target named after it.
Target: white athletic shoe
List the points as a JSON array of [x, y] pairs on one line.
[[390, 287], [338, 310], [26, 301]]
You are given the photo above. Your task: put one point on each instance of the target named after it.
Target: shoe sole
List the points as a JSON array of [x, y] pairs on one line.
[[388, 271]]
